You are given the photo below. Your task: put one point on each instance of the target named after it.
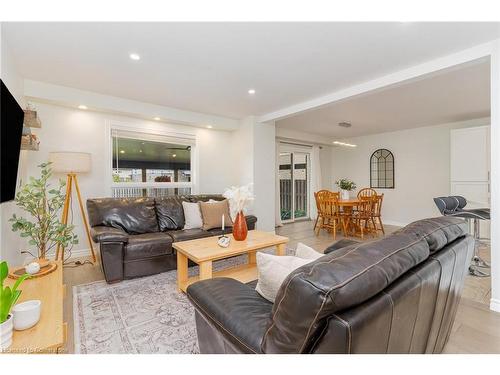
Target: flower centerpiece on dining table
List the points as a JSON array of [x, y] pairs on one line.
[[345, 185], [239, 198]]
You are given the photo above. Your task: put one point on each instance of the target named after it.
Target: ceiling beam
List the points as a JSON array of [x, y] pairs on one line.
[[70, 97], [414, 72]]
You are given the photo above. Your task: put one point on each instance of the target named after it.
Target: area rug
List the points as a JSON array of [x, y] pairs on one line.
[[144, 315]]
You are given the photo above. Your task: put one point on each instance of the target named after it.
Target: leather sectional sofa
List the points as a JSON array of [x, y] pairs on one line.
[[136, 234], [398, 294]]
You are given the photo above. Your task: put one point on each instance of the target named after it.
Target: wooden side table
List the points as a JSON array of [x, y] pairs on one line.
[[49, 334]]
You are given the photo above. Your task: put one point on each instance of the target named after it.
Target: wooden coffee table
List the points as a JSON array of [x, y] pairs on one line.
[[204, 251]]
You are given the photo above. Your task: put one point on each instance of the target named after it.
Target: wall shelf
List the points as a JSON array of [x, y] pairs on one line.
[[31, 119], [29, 143]]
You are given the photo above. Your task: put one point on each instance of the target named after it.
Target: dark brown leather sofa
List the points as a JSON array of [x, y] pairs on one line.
[[136, 234], [395, 295]]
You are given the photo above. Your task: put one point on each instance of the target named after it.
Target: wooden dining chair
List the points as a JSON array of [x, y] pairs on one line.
[[377, 217], [318, 196], [331, 217], [363, 217], [367, 192]]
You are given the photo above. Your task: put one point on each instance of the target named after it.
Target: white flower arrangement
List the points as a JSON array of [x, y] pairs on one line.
[[239, 197]]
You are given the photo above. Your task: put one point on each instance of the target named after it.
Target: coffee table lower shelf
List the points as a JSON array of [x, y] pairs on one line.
[[244, 273]]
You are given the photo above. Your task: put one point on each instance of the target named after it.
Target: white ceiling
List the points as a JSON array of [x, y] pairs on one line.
[[457, 94], [208, 67]]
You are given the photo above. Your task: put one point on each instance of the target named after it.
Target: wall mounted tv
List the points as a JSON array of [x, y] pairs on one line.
[[11, 129]]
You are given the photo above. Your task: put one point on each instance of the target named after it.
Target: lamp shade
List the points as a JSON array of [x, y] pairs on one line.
[[70, 162]]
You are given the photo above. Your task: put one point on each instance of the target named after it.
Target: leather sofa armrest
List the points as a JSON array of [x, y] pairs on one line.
[[234, 309], [340, 244], [108, 234], [251, 220]]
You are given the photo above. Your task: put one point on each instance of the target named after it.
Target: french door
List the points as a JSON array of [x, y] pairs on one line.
[[294, 177]]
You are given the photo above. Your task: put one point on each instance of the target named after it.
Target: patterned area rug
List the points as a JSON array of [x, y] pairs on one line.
[[144, 315]]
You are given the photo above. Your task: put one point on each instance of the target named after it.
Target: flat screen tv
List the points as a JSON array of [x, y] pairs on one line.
[[11, 129]]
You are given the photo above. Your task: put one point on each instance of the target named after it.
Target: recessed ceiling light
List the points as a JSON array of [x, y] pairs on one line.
[[135, 56], [156, 118], [122, 151], [251, 91], [140, 150], [344, 144], [209, 126], [174, 155], [81, 106]]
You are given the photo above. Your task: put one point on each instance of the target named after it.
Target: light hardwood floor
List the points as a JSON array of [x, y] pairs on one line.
[[476, 328]]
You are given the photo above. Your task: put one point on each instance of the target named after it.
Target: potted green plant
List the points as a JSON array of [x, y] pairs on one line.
[[8, 298], [43, 229], [345, 185]]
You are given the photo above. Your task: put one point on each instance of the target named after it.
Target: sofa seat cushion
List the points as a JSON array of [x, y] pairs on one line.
[[220, 232], [148, 245], [188, 234]]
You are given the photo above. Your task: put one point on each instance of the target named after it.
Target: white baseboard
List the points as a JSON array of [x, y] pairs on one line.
[[80, 253], [495, 304]]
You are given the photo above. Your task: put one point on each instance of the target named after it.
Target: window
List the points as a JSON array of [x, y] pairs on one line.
[[382, 169], [150, 165]]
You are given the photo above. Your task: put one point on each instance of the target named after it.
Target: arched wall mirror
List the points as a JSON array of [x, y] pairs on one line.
[[382, 169]]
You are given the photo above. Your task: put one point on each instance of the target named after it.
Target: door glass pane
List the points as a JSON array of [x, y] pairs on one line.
[[300, 177], [285, 176]]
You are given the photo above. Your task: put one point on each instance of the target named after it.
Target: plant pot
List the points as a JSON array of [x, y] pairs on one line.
[[240, 229], [344, 194], [6, 333]]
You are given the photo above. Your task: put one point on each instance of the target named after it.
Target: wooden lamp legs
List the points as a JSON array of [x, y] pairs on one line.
[[69, 189]]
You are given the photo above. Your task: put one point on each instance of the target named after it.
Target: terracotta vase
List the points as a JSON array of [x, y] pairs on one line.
[[240, 229]]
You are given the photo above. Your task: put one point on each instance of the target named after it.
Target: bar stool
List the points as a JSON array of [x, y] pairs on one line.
[[454, 206]]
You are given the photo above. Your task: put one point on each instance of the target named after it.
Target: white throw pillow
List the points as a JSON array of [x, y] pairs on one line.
[[192, 215], [273, 269], [306, 252]]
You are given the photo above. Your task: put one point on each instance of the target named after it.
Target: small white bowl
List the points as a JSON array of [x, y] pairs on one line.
[[26, 314]]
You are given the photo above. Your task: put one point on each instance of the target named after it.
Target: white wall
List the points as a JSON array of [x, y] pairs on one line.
[[264, 160], [495, 177], [253, 153], [242, 141], [422, 168], [66, 129], [327, 176], [10, 243]]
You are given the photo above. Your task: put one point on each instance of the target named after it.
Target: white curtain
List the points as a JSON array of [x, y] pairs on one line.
[[277, 212], [315, 179]]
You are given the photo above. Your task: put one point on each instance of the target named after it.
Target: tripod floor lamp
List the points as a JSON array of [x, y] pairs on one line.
[[72, 163]]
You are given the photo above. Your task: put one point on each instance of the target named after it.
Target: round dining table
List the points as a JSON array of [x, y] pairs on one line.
[[348, 206]]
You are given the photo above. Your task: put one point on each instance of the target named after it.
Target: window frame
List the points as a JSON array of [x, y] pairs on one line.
[[161, 130], [385, 171]]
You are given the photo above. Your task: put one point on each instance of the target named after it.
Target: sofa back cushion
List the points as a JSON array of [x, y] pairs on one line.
[[133, 215], [438, 232], [212, 212], [340, 280], [206, 197], [170, 212]]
